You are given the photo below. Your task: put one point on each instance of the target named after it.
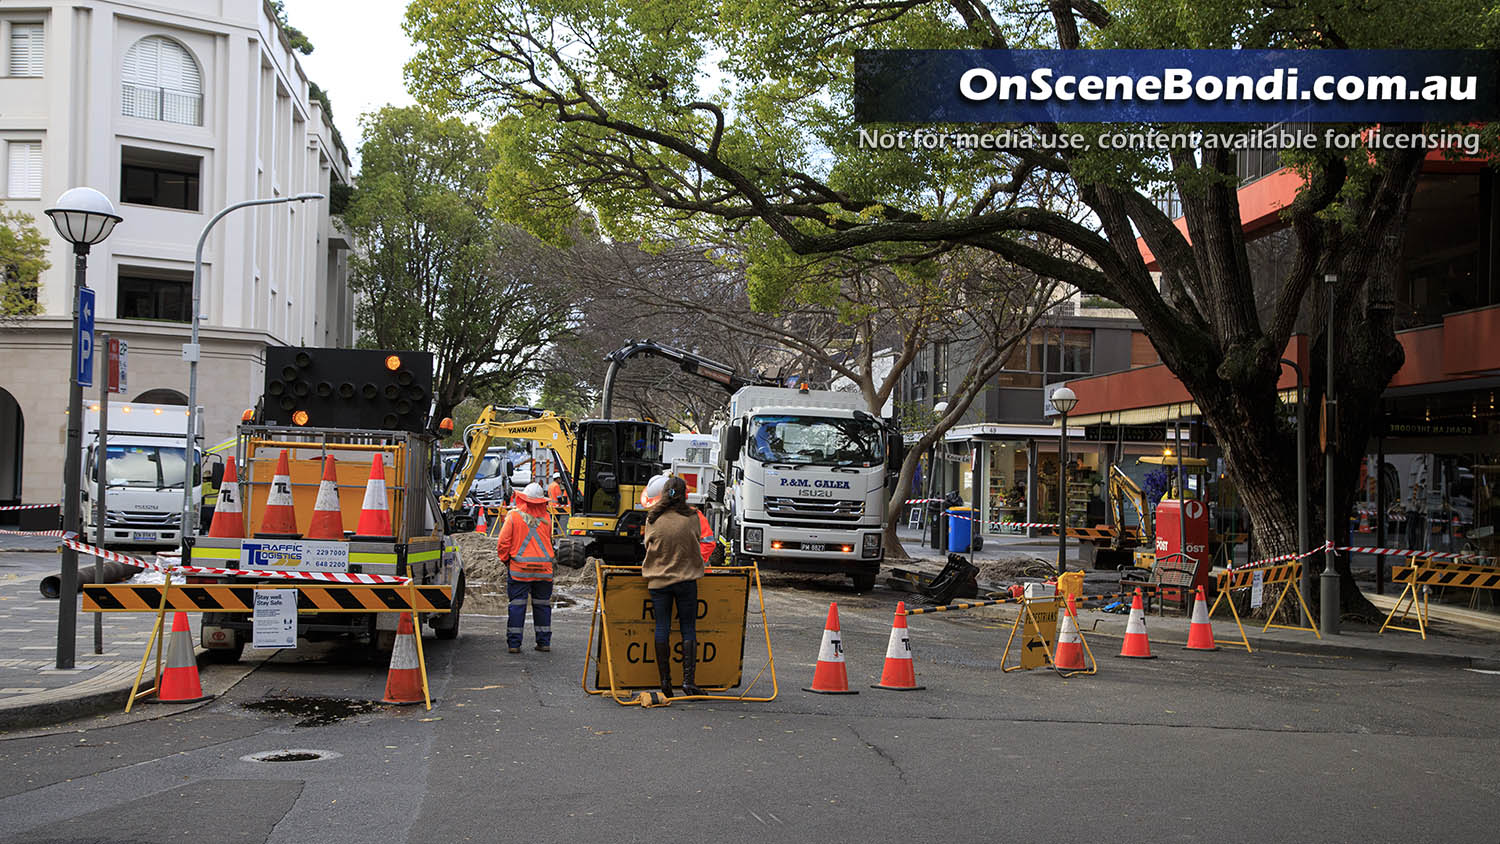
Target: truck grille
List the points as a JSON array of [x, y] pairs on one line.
[[802, 508], [143, 518]]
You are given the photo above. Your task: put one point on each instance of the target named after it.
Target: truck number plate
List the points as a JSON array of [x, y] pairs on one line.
[[814, 546], [144, 535]]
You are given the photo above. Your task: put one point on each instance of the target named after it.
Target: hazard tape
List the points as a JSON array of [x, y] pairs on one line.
[[240, 597], [1407, 552], [56, 533], [26, 507], [1282, 558], [313, 576]]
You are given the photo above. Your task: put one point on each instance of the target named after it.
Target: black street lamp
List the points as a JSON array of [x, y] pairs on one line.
[[1063, 401], [1329, 582], [84, 217]]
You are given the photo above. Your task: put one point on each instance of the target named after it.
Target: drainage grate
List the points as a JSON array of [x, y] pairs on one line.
[[290, 755]]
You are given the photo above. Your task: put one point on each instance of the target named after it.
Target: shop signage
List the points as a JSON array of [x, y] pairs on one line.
[[1396, 426]]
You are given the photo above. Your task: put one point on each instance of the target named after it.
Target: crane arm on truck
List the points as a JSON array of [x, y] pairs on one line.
[[691, 363], [543, 426]]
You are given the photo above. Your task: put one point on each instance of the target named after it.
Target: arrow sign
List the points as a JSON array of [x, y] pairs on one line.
[[86, 336]]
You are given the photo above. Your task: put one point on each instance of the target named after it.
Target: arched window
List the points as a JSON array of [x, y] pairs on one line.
[[161, 81]]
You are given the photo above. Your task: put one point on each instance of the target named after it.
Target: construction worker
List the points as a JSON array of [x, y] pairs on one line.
[[525, 546], [673, 565], [557, 496]]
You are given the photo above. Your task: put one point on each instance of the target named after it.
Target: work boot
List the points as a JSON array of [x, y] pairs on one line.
[[664, 667], [689, 668]]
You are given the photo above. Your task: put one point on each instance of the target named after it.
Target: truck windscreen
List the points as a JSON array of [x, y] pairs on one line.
[[817, 441], [155, 467]]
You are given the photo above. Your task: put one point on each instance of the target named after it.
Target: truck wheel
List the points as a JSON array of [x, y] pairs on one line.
[[448, 630], [569, 552], [864, 581]]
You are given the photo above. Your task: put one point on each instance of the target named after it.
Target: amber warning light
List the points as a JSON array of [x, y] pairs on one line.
[[393, 362], [299, 418]]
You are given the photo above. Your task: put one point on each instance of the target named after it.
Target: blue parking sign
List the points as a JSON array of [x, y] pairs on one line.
[[86, 336]]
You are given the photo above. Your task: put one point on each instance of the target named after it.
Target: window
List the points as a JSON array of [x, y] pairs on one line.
[[26, 51], [161, 82], [155, 294], [24, 169], [163, 179]]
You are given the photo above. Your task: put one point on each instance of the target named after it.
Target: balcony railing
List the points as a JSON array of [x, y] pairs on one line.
[[162, 104]]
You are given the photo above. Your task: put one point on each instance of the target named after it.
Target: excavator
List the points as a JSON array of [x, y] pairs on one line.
[[1122, 491], [604, 464]]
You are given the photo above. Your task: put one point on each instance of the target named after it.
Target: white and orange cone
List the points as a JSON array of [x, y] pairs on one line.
[[1201, 632], [1069, 643], [900, 673], [830, 677], [179, 680], [483, 525], [279, 521], [375, 514], [1136, 645], [327, 518], [403, 684], [229, 517]]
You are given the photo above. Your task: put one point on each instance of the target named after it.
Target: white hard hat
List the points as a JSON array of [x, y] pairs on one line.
[[654, 488], [534, 493]]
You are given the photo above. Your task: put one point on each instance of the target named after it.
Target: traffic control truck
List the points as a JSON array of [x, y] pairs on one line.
[[355, 405], [804, 476], [145, 462]]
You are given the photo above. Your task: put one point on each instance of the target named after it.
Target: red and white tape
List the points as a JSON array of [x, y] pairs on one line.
[[26, 507], [316, 576], [1282, 558], [57, 533], [1407, 552]]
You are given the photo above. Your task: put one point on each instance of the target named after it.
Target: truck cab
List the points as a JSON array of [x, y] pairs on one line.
[[145, 463]]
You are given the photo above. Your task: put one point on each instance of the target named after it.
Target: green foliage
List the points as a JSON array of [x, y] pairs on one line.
[[294, 35], [23, 259], [321, 96]]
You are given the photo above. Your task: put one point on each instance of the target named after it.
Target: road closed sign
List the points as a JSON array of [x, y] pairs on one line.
[[628, 635]]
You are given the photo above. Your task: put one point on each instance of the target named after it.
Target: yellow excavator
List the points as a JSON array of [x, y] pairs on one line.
[[1125, 541], [604, 464]]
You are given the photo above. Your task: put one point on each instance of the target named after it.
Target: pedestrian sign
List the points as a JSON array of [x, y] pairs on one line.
[[85, 363]]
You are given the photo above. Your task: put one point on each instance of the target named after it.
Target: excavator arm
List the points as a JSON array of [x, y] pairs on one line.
[[693, 364], [544, 427], [1121, 486]]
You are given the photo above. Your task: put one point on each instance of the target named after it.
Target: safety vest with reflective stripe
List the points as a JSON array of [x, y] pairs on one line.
[[558, 497], [706, 540], [533, 559]]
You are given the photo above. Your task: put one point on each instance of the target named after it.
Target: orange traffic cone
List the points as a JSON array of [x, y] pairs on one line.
[[482, 526], [327, 518], [403, 685], [179, 682], [375, 514], [899, 674], [1136, 646], [830, 678], [229, 519], [1200, 632], [1069, 643], [280, 519], [1364, 522]]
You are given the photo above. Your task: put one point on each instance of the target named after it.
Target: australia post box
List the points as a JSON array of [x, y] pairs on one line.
[[1176, 522]]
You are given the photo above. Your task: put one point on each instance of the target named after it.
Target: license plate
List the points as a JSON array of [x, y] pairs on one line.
[[144, 535], [814, 546]]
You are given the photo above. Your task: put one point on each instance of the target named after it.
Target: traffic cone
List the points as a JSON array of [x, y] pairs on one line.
[[1136, 646], [483, 525], [375, 514], [229, 519], [327, 518], [179, 682], [899, 674], [280, 519], [1069, 644], [403, 685], [1364, 522], [1200, 632], [830, 678]]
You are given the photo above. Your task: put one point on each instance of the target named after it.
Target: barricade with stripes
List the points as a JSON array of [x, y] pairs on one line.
[[1288, 574], [240, 597]]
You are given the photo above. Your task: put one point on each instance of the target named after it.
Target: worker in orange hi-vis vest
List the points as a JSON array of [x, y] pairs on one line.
[[525, 546], [557, 495]]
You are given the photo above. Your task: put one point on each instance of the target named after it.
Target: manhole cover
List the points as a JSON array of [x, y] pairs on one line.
[[290, 755], [314, 711]]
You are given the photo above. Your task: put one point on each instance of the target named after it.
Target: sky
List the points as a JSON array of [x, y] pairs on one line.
[[358, 52]]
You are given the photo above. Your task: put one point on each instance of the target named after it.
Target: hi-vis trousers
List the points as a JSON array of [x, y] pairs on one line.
[[539, 593]]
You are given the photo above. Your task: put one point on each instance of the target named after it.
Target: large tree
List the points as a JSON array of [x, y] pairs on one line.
[[437, 271], [682, 113]]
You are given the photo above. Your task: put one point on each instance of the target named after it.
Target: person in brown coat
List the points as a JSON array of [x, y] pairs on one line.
[[672, 567]]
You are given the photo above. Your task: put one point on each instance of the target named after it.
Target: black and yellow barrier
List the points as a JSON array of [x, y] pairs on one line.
[[311, 598], [1421, 576], [1289, 575]]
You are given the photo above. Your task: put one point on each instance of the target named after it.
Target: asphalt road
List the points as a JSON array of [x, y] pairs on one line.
[[1191, 746]]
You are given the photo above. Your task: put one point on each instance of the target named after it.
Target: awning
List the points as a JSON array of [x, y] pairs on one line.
[[1153, 415]]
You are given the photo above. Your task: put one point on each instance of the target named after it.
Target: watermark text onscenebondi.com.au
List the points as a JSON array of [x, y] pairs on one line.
[[1464, 141]]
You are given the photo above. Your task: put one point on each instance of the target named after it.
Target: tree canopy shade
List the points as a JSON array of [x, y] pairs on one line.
[[682, 115], [23, 259]]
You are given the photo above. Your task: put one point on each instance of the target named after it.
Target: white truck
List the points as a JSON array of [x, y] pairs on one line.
[[694, 458], [803, 480], [145, 463]]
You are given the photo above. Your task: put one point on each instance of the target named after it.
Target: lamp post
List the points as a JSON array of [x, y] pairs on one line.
[[191, 353], [939, 523], [1329, 582], [1303, 540], [84, 217], [1063, 401]]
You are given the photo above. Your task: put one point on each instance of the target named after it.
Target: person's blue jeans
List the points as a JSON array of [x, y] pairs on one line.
[[685, 596], [539, 594]]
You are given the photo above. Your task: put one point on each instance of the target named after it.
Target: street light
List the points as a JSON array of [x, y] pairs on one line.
[[1329, 583], [1303, 540], [84, 217], [939, 524], [191, 353], [1063, 401]]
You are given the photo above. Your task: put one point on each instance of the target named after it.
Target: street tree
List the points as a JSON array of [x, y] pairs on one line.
[[23, 259], [688, 114], [437, 271]]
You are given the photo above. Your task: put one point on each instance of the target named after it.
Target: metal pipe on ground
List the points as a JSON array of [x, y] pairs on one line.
[[113, 572]]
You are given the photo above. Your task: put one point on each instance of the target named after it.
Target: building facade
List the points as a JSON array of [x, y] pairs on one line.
[[174, 110]]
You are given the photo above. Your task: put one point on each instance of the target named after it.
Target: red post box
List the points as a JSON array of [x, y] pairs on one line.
[[1176, 521]]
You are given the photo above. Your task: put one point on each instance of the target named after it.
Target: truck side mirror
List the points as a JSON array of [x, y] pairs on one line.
[[734, 440]]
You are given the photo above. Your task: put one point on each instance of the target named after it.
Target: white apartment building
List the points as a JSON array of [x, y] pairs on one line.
[[173, 109]]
